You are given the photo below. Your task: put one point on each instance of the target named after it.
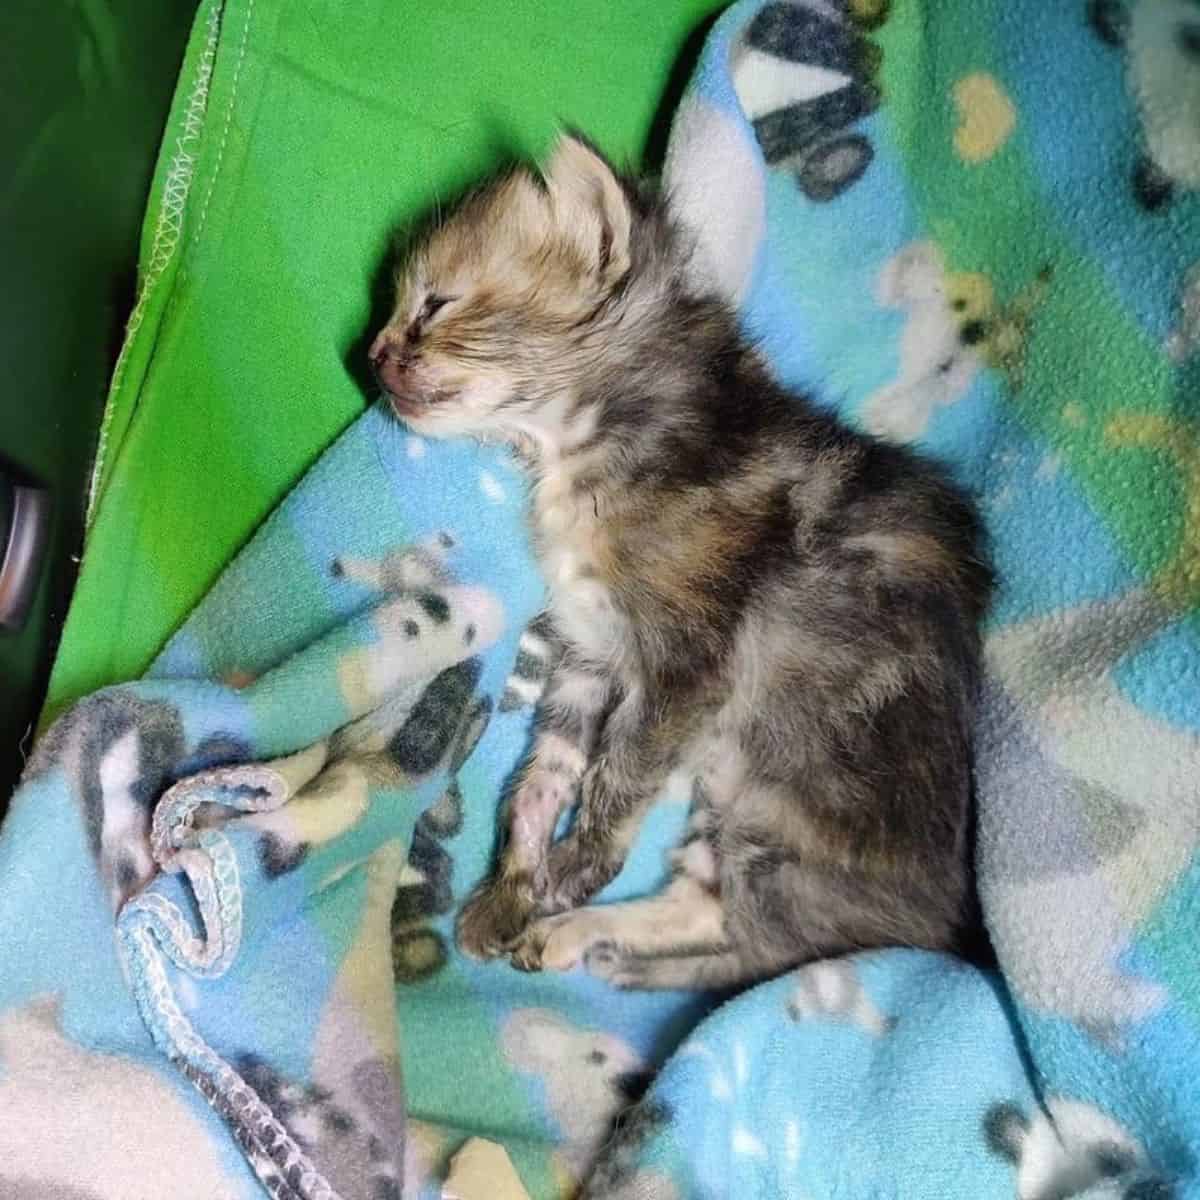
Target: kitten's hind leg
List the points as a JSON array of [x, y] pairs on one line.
[[685, 918]]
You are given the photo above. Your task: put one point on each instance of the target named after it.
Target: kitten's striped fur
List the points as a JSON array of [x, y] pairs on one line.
[[738, 580]]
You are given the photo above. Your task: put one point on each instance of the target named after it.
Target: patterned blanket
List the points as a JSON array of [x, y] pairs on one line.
[[976, 227]]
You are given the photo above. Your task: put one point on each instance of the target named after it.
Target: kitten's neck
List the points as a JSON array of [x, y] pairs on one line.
[[558, 431], [681, 380]]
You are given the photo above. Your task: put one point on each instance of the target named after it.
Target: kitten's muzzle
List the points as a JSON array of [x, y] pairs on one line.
[[392, 367], [390, 363]]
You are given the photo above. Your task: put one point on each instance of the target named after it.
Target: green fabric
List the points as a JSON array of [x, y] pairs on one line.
[[246, 352]]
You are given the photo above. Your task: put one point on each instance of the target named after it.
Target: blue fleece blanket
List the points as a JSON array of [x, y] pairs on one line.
[[974, 227]]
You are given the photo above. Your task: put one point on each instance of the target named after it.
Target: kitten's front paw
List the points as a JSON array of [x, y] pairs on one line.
[[495, 916], [606, 960], [527, 954], [555, 943]]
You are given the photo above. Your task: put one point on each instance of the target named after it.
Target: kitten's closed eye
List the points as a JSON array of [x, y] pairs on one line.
[[434, 305]]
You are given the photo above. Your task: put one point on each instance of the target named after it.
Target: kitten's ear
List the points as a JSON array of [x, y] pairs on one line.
[[590, 204]]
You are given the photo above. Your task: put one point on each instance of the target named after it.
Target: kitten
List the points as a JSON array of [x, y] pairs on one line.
[[740, 583]]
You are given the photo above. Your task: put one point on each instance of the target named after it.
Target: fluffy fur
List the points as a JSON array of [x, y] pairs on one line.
[[739, 582]]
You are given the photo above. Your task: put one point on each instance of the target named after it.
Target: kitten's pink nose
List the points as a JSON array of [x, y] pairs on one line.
[[390, 362]]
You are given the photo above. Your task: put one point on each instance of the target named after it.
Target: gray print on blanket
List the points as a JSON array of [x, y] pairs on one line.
[[1069, 1149], [805, 75], [440, 734], [120, 752], [618, 1174], [355, 1150]]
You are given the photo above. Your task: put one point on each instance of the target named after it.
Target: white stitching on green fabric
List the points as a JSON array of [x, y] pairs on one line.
[[233, 91], [167, 229]]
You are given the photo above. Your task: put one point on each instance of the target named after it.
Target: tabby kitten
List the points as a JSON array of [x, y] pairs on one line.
[[741, 584]]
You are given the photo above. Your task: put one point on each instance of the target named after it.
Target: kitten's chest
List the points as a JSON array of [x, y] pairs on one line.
[[575, 556]]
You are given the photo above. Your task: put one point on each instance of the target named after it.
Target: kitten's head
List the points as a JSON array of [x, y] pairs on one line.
[[509, 303]]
